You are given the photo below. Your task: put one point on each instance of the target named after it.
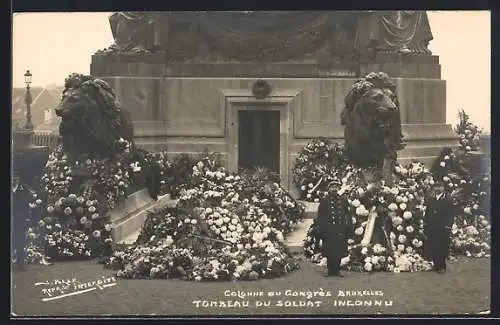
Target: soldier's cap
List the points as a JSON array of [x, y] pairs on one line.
[[333, 184]]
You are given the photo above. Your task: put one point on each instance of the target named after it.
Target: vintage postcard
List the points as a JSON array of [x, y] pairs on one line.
[[249, 163]]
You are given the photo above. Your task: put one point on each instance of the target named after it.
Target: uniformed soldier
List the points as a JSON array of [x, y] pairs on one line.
[[439, 216], [153, 180], [335, 227], [21, 198]]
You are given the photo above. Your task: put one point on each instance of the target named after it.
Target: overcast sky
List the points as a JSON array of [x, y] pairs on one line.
[[53, 45]]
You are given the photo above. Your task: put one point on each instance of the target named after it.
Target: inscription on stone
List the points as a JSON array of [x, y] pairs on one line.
[[338, 73]]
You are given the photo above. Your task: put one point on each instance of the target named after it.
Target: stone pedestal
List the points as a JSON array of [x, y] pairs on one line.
[[189, 107], [130, 214], [398, 65]]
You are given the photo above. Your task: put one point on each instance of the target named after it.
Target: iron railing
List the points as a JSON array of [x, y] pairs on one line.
[[50, 140]]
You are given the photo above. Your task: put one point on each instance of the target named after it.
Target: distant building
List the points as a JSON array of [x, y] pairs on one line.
[[51, 125], [51, 120], [45, 100]]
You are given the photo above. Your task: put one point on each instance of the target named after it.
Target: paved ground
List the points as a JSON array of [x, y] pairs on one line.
[[464, 289]]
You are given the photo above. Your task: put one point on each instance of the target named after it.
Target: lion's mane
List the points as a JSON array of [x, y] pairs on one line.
[[92, 119], [365, 139]]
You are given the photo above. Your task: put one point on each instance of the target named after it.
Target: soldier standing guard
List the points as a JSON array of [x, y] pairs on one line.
[[440, 213], [153, 180], [335, 226]]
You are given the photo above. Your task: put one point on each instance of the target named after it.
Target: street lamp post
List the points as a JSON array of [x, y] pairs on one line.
[[28, 162], [28, 100], [28, 158]]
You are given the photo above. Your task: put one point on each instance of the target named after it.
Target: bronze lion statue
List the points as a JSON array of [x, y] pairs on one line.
[[92, 119], [372, 124]]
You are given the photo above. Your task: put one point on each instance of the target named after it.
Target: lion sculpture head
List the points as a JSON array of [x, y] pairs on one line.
[[91, 117], [371, 121]]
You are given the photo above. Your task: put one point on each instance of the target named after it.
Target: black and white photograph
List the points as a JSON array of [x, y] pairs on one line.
[[251, 163]]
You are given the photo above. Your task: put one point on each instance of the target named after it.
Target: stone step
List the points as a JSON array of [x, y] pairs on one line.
[[125, 226], [134, 203], [311, 209], [133, 229], [295, 240], [129, 240]]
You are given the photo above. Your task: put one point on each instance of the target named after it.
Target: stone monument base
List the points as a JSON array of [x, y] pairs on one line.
[[192, 107]]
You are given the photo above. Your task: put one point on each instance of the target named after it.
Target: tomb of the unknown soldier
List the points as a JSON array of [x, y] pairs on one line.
[[258, 163]]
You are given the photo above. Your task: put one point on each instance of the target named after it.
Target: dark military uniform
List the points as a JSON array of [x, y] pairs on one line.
[[439, 219], [21, 197], [153, 181], [335, 227]]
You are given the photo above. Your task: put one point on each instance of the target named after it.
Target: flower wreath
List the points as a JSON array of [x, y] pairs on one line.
[[261, 89]]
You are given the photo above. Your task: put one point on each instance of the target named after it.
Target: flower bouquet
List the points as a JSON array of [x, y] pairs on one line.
[[73, 204], [468, 132], [471, 236], [317, 165], [176, 174], [225, 227]]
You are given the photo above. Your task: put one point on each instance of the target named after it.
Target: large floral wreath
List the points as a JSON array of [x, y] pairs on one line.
[[225, 226]]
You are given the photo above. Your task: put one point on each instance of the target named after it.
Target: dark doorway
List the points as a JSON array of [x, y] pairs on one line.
[[259, 139]]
